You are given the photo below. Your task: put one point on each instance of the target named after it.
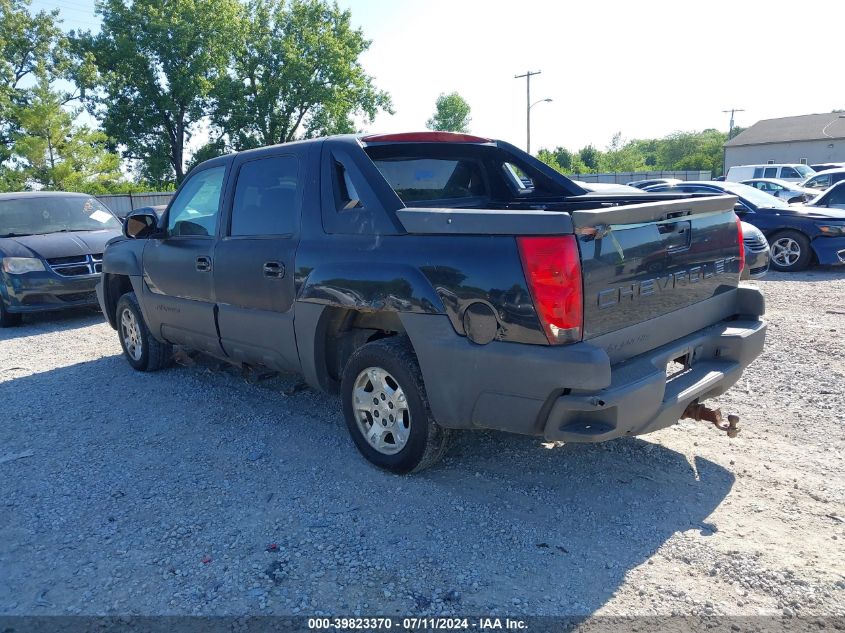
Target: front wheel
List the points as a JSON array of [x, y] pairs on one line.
[[790, 251], [386, 408], [140, 348]]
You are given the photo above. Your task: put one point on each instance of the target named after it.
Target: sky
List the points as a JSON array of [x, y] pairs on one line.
[[644, 68]]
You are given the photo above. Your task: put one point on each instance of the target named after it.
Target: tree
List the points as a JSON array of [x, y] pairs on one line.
[[33, 48], [50, 152], [296, 74], [621, 156], [590, 157], [149, 73], [451, 114]]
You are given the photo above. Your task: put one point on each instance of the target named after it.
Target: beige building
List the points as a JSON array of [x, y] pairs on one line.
[[808, 139]]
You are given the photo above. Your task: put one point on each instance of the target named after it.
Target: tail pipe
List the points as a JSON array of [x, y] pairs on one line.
[[699, 412]]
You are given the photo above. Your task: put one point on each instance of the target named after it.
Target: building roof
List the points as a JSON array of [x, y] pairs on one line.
[[807, 127]]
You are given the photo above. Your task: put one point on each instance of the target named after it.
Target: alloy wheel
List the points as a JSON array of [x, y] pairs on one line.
[[131, 333], [381, 410]]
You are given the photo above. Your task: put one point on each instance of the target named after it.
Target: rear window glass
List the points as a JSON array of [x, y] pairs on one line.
[[421, 179]]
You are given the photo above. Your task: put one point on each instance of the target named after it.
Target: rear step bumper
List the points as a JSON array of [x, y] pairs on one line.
[[641, 399], [575, 393]]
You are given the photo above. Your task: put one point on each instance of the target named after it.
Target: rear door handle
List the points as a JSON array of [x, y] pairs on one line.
[[204, 264], [274, 270]]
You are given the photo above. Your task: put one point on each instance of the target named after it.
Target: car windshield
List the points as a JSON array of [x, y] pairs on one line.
[[755, 196], [38, 215], [804, 170]]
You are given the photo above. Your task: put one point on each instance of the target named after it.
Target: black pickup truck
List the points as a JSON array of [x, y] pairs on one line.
[[442, 281]]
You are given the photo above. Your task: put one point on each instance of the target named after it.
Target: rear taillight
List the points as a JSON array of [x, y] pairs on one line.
[[741, 245], [552, 268]]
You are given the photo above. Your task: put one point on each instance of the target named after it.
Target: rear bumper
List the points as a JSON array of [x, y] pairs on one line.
[[641, 399], [46, 291], [829, 250], [576, 393]]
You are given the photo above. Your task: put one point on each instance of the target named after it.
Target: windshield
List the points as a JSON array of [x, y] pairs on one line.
[[755, 196], [804, 170], [53, 214]]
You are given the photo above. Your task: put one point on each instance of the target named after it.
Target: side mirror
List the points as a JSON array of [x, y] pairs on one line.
[[740, 208], [141, 224]]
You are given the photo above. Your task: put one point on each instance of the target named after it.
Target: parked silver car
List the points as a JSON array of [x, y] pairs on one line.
[[789, 191]]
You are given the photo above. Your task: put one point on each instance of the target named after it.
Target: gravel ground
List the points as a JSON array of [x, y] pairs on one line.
[[194, 491]]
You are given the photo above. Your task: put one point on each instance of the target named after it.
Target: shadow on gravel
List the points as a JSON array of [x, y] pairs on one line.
[[151, 472], [44, 322]]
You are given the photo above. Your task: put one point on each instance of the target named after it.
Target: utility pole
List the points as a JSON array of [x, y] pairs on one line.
[[731, 128], [528, 75]]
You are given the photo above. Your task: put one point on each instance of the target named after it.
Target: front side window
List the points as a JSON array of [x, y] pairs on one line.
[[423, 179], [265, 197], [819, 182], [39, 215], [789, 172], [194, 211]]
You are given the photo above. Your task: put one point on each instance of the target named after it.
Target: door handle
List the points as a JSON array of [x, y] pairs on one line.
[[204, 264], [274, 270]]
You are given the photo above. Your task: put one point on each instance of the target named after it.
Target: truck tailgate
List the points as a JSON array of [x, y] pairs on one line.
[[650, 260]]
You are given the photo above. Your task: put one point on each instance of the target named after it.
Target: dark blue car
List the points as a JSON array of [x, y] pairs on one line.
[[798, 235], [51, 251]]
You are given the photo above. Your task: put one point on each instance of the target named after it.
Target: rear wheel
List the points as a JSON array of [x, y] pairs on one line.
[[386, 408], [140, 348], [790, 251], [8, 319]]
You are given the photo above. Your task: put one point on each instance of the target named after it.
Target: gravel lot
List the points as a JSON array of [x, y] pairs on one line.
[[194, 491]]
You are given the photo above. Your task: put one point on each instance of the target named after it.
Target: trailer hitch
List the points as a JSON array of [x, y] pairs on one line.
[[697, 411]]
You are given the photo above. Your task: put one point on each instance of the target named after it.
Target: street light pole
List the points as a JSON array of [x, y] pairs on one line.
[[528, 75]]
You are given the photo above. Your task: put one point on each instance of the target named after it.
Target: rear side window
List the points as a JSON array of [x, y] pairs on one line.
[[423, 179], [265, 201], [771, 172], [758, 172], [789, 172]]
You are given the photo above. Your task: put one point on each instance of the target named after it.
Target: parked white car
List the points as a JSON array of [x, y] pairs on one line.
[[783, 189], [824, 179], [833, 198], [791, 172]]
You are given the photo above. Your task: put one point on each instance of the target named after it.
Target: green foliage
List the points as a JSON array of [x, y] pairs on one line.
[[590, 157], [33, 49], [451, 114], [49, 152], [675, 152], [150, 71], [296, 74]]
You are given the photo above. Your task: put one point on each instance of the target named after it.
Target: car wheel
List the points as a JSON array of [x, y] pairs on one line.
[[386, 408], [8, 319], [140, 348], [790, 251]]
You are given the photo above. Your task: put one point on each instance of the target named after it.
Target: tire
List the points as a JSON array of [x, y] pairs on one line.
[[790, 251], [141, 349], [411, 440], [8, 319]]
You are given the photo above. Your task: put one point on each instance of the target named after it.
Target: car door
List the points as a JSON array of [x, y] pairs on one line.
[[178, 289], [254, 262]]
